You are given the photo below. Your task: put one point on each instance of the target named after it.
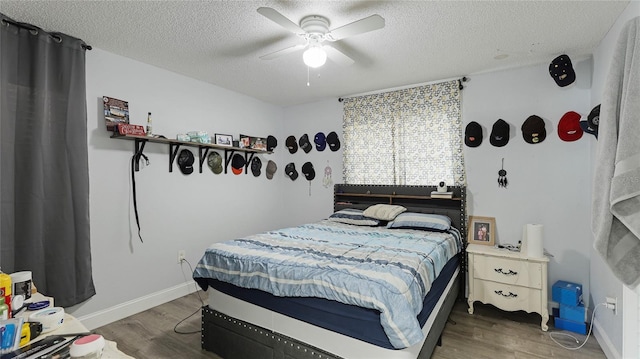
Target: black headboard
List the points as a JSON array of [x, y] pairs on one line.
[[414, 198]]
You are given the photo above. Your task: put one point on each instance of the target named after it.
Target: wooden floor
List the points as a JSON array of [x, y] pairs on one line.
[[488, 333]]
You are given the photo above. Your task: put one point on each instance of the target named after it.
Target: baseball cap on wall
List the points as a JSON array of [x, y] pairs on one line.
[[304, 143], [185, 162], [473, 134], [272, 143], [214, 160], [584, 125], [333, 141], [594, 118], [271, 169], [237, 164], [256, 166], [321, 141], [290, 171], [561, 70], [308, 171], [533, 130], [569, 127], [499, 133], [291, 143]]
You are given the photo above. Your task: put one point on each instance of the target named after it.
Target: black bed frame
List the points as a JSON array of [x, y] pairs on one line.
[[232, 338]]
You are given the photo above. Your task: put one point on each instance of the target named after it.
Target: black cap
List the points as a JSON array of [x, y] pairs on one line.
[[473, 134], [594, 118], [272, 143], [562, 71], [237, 163], [256, 166], [333, 141], [304, 143], [308, 171], [499, 133], [590, 124], [185, 161], [292, 145], [533, 130], [290, 171]]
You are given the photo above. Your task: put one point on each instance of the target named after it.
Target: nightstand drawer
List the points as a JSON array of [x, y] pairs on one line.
[[507, 297], [509, 271]]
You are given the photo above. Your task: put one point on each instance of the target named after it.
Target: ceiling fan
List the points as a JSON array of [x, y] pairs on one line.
[[314, 29]]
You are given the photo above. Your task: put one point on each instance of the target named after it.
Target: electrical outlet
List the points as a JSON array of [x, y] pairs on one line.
[[612, 303], [181, 255]]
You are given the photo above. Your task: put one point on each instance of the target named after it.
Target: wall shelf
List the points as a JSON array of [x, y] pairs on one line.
[[203, 150]]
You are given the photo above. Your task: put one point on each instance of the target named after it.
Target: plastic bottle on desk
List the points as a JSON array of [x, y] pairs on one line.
[[149, 132], [5, 296]]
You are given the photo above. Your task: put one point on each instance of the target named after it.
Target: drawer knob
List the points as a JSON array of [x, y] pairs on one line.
[[510, 272], [510, 295]]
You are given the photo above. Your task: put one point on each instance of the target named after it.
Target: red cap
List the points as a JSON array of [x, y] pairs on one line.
[[236, 171], [569, 127]]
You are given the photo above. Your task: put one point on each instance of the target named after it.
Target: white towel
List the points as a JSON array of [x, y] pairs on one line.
[[616, 192]]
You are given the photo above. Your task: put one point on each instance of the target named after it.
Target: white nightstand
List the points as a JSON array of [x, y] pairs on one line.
[[509, 280]]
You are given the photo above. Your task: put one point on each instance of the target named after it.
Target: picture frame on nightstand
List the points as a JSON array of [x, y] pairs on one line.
[[482, 230]]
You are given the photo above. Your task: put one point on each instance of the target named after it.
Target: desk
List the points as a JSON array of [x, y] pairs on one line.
[[71, 325]]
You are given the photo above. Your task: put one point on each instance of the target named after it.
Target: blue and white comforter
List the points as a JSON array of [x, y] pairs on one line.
[[390, 270]]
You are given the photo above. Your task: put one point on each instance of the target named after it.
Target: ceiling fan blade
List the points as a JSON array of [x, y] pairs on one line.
[[373, 22], [280, 19], [337, 56], [282, 52]]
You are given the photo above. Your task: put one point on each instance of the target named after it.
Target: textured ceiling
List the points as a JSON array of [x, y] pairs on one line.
[[220, 41]]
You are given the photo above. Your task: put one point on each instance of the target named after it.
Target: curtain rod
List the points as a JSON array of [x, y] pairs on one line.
[[36, 29], [460, 86]]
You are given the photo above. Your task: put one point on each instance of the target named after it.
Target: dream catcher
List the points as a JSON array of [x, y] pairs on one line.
[[327, 181], [502, 177]]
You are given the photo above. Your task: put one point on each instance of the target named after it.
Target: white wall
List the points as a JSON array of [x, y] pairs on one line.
[[615, 333], [549, 181], [176, 211], [306, 203]]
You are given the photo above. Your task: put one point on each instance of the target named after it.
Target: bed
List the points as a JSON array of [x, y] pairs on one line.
[[340, 287]]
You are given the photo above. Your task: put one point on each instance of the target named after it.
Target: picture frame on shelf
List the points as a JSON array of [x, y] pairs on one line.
[[259, 143], [245, 141], [223, 140], [482, 230]]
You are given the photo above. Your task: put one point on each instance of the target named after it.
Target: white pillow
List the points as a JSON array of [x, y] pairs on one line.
[[383, 212]]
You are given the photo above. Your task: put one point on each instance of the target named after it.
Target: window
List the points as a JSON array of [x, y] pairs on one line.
[[406, 137]]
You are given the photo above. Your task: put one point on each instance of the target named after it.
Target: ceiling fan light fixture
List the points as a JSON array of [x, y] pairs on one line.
[[314, 56]]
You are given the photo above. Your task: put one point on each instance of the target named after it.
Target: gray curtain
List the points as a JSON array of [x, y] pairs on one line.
[[44, 171]]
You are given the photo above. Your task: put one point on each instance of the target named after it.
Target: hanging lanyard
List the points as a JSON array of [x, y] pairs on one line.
[[136, 158]]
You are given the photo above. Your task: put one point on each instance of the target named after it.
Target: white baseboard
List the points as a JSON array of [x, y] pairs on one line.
[[120, 311], [605, 343]]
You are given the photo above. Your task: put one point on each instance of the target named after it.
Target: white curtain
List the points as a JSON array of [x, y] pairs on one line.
[[405, 137]]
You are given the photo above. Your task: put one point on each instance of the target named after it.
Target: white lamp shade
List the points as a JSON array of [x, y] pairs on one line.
[[314, 56]]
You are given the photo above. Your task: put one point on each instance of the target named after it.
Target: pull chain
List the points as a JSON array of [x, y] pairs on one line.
[[308, 83]]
